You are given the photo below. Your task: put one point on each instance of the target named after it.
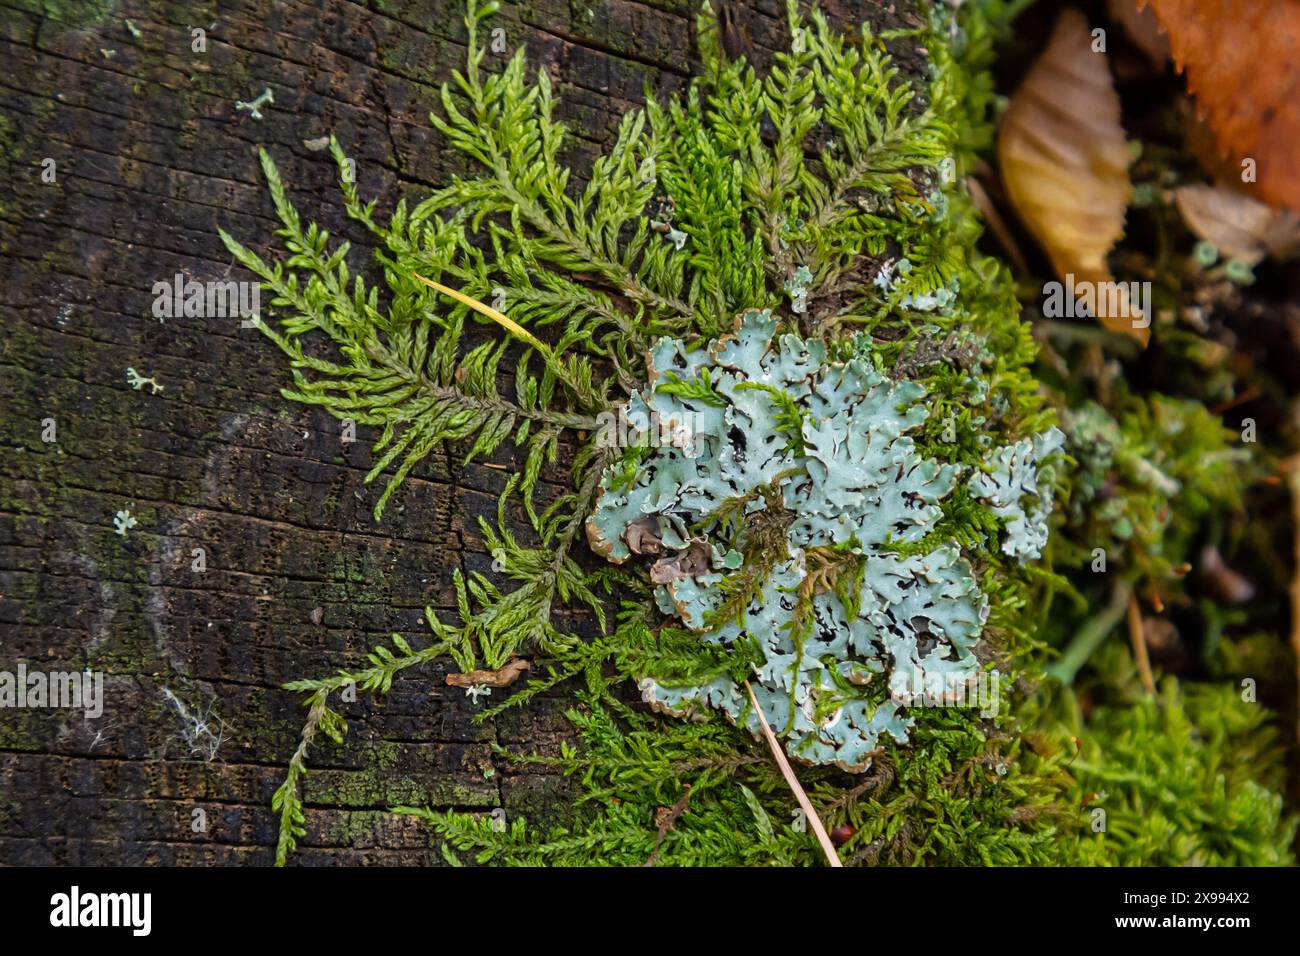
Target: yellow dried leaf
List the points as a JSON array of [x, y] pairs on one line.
[[1065, 164], [1239, 226]]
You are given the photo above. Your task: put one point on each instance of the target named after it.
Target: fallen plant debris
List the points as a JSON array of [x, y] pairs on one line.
[[810, 812], [501, 677], [1241, 65], [1064, 160], [665, 819], [1142, 27], [1238, 226]]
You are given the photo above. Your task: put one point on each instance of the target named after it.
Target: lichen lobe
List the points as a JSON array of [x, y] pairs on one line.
[[777, 533]]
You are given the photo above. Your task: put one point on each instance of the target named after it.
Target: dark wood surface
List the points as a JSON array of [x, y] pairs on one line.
[[151, 158]]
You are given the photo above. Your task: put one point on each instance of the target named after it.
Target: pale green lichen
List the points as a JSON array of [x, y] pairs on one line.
[[797, 288], [138, 381], [799, 462], [254, 108], [123, 521], [1010, 486]]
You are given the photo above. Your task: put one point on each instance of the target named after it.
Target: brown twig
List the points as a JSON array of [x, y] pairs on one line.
[[503, 677], [1137, 635], [1248, 395], [667, 818], [997, 225], [814, 821]]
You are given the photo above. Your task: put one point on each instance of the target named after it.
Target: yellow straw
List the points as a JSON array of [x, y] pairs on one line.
[[509, 324]]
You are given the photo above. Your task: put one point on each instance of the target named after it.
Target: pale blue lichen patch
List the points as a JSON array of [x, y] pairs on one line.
[[800, 462], [123, 522], [797, 288], [897, 275], [1009, 483]]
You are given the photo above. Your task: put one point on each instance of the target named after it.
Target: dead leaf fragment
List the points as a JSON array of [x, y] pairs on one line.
[[692, 562], [503, 677], [1223, 583], [1239, 226], [642, 536], [1242, 61], [1065, 162]]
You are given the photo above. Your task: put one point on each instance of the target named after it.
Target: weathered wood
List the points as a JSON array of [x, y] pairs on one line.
[[151, 157]]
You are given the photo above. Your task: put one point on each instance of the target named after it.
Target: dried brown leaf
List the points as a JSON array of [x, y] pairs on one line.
[[1065, 161], [1142, 27], [1239, 226]]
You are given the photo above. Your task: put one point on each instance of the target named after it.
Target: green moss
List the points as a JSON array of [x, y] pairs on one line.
[[22, 729], [73, 14], [1190, 777], [373, 787]]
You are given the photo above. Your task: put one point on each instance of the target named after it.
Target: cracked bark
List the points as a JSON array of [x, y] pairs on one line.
[[150, 159]]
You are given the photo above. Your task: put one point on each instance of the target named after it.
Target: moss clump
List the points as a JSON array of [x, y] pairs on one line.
[[1189, 777], [1146, 476], [74, 14]]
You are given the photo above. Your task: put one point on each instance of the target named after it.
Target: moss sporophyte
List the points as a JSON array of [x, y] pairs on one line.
[[806, 437]]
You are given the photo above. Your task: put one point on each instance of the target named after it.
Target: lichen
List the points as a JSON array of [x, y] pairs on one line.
[[1010, 486], [138, 381], [254, 108], [123, 521], [777, 533]]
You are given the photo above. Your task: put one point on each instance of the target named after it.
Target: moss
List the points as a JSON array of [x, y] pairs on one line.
[[361, 827], [72, 14], [9, 148], [373, 787], [18, 139], [1190, 777], [25, 729]]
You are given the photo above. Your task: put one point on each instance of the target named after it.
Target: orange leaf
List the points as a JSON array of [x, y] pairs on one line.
[[1242, 60], [1065, 163]]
